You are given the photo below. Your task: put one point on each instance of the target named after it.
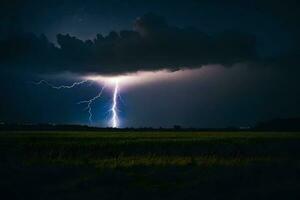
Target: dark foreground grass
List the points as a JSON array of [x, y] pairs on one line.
[[149, 165]]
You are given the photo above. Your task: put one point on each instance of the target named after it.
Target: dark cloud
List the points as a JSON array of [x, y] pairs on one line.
[[153, 44]]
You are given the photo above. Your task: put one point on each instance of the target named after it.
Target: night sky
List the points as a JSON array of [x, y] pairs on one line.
[[228, 63]]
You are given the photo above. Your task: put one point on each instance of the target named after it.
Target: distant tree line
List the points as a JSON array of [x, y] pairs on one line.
[[288, 124]]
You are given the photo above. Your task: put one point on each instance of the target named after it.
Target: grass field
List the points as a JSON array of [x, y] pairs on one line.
[[149, 165]]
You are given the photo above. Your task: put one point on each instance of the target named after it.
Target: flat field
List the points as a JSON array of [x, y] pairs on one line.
[[149, 165]]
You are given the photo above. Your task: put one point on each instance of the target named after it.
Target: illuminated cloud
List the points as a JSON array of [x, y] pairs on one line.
[[143, 77]]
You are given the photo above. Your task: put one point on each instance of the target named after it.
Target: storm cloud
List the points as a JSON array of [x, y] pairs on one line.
[[152, 44], [257, 41]]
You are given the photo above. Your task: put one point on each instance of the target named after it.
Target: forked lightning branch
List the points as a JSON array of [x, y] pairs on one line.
[[114, 119]]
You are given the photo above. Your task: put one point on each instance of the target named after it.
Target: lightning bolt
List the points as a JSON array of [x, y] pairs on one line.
[[114, 107]]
